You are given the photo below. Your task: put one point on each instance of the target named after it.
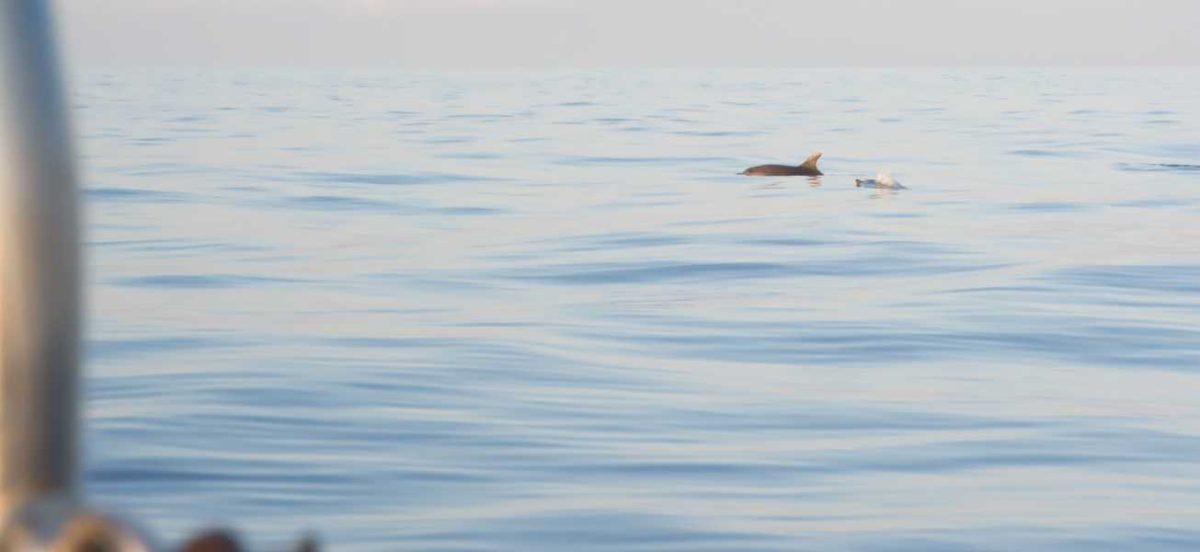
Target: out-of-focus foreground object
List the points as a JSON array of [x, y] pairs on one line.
[[40, 305], [39, 259]]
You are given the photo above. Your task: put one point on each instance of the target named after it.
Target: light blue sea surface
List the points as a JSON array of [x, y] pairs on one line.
[[540, 311]]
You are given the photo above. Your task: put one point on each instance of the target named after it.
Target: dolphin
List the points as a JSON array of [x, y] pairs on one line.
[[807, 168], [881, 180]]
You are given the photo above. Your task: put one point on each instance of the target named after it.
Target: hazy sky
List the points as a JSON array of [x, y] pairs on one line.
[[588, 33]]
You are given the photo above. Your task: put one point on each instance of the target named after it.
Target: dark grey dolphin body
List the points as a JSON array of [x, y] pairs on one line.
[[807, 168]]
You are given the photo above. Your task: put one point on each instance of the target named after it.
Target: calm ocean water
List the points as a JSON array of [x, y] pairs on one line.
[[540, 311]]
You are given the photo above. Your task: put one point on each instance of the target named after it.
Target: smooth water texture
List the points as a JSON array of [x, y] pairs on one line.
[[540, 311]]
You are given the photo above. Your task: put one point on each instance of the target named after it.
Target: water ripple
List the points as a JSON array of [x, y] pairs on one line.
[[883, 266], [125, 195], [1158, 167], [386, 179], [199, 281], [1171, 280]]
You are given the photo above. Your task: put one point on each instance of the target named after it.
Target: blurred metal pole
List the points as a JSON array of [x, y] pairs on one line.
[[40, 296]]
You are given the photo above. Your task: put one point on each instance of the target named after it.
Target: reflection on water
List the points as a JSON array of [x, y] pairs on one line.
[[522, 311]]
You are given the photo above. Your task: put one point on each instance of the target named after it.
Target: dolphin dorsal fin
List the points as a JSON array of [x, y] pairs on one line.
[[811, 162]]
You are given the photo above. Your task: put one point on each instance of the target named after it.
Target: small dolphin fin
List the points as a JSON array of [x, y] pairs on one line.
[[811, 162]]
